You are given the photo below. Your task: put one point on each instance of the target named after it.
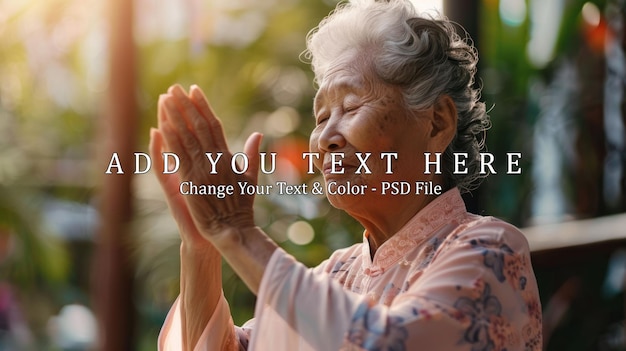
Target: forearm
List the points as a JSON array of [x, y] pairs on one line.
[[247, 251], [200, 289]]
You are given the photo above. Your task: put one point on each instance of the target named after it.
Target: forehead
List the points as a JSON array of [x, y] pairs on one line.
[[344, 78], [344, 82]]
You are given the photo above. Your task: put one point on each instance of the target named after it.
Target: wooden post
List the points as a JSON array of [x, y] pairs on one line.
[[466, 13], [114, 268]]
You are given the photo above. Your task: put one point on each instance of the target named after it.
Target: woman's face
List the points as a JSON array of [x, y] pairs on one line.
[[357, 113]]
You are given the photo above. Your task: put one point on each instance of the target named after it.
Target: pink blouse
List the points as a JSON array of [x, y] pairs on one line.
[[448, 280]]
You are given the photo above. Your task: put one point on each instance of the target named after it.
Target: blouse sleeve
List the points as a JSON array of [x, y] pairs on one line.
[[219, 333], [479, 293]]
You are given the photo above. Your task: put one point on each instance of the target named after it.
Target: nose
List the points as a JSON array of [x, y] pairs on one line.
[[331, 137]]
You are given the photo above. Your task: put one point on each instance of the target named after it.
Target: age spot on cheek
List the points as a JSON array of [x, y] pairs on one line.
[[382, 124]]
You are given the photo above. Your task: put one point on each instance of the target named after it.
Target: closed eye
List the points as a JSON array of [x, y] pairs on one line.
[[321, 119], [351, 102], [351, 108]]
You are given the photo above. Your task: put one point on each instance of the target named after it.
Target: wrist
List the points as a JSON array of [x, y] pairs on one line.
[[228, 238], [247, 250], [198, 251]]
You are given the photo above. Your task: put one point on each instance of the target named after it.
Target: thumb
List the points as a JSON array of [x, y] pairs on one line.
[[251, 149]]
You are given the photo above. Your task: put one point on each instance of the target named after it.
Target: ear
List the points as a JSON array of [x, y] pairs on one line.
[[444, 121]]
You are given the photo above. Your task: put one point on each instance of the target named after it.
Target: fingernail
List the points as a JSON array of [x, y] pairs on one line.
[[179, 90], [174, 88], [195, 91]]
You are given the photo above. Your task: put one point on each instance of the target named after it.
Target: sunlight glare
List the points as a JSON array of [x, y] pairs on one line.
[[428, 6]]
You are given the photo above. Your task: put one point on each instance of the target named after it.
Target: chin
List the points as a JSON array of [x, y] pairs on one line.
[[348, 203]]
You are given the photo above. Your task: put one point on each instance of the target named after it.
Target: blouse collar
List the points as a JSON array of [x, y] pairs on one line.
[[418, 229]]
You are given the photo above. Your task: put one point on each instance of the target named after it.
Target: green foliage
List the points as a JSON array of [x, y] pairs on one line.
[[32, 257], [53, 64]]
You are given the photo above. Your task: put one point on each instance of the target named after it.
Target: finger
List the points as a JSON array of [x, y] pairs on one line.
[[196, 123], [174, 200], [251, 149], [176, 144], [214, 123], [161, 110], [156, 145], [176, 86], [180, 134], [156, 149], [184, 105]]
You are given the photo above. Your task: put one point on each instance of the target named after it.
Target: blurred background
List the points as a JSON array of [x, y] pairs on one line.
[[90, 262]]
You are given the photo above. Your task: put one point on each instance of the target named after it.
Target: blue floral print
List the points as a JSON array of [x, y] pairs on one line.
[[368, 332], [480, 312], [494, 259]]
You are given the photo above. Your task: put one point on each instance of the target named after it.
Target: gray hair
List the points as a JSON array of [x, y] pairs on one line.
[[424, 56]]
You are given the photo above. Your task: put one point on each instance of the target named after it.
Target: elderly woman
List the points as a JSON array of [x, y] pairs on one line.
[[428, 275]]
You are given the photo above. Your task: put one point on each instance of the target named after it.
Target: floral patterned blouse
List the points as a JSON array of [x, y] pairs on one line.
[[448, 280]]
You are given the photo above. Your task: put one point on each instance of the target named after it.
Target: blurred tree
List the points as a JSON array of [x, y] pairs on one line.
[[114, 269]]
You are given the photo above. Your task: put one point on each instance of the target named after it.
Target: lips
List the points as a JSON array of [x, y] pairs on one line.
[[347, 168]]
